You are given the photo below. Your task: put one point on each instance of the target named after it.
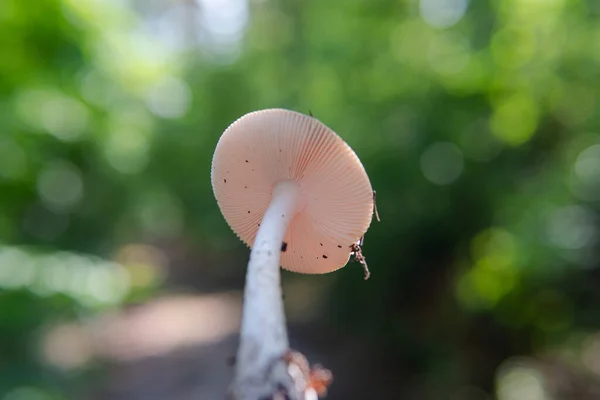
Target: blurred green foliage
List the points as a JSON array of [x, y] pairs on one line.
[[477, 122]]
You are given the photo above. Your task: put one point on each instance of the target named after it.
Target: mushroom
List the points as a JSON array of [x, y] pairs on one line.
[[292, 190]]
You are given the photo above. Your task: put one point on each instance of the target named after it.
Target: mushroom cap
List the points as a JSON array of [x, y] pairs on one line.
[[335, 209]]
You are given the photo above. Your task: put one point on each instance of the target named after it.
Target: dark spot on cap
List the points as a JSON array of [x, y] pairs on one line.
[[321, 244], [324, 256], [283, 246], [248, 211], [340, 246], [246, 160], [245, 187], [224, 180]]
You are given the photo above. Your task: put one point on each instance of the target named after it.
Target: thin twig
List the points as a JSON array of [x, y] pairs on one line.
[[375, 207]]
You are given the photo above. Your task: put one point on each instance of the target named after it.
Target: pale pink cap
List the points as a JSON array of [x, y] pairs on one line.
[[265, 147]]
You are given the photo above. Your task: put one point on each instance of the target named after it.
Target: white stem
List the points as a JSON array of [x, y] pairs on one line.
[[260, 370]]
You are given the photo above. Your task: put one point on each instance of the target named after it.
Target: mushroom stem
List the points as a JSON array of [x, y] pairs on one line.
[[260, 370]]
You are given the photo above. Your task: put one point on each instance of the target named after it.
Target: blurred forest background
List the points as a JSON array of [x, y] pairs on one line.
[[477, 121]]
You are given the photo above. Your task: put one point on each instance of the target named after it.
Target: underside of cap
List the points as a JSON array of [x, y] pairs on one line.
[[265, 147]]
